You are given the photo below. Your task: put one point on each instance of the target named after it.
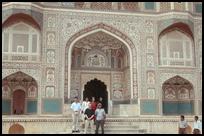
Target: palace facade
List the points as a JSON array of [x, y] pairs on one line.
[[143, 58]]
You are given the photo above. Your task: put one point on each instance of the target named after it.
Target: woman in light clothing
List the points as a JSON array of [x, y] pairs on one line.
[[100, 118]]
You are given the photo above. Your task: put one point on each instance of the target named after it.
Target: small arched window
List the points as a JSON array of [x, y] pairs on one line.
[[176, 49], [22, 42]]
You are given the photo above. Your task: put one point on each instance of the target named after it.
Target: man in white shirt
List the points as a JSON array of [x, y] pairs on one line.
[[76, 108], [182, 125], [100, 118], [197, 126]]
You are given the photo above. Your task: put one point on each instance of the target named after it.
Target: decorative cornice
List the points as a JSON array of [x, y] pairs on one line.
[[16, 65], [121, 119], [126, 13]]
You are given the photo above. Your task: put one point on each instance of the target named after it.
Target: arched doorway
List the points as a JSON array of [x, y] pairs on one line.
[[16, 129], [19, 94], [178, 97], [18, 102], [96, 88]]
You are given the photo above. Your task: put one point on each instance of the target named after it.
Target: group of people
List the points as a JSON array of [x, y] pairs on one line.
[[91, 113], [184, 127]]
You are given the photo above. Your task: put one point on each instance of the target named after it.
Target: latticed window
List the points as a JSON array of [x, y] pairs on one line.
[[179, 6], [165, 6], [101, 5], [22, 42], [176, 49], [130, 6]]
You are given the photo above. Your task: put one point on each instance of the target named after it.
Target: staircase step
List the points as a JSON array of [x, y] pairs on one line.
[[110, 131]]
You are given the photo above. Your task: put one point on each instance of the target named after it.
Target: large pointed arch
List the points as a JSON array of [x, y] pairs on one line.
[[90, 30]]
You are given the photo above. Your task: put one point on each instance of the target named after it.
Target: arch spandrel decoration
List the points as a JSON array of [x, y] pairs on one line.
[[22, 81], [190, 77], [36, 74]]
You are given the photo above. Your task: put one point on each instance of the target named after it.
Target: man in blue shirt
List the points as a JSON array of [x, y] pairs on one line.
[[76, 108]]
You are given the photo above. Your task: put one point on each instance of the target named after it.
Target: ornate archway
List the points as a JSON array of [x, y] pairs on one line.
[[19, 94], [91, 31], [178, 96]]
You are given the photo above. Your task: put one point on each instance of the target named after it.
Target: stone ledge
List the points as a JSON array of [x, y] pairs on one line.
[[107, 120]]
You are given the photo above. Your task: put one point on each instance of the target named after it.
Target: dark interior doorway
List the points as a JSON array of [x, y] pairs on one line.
[[18, 102], [96, 88]]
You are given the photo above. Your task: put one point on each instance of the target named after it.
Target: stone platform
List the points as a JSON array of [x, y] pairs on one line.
[[113, 124]]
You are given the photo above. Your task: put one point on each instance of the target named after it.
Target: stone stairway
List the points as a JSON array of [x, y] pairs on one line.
[[113, 127]]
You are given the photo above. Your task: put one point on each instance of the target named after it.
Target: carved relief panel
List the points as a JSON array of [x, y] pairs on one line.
[[96, 60], [51, 21], [50, 56], [149, 26], [150, 77], [50, 91], [117, 86], [75, 84], [151, 93], [6, 91], [50, 75], [169, 93], [51, 38], [150, 44], [32, 92], [150, 60]]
